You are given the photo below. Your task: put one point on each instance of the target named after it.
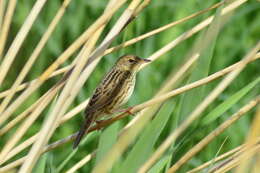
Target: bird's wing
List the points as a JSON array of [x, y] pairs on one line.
[[105, 94]]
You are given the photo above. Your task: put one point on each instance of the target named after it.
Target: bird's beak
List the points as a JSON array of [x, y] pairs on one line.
[[143, 60]]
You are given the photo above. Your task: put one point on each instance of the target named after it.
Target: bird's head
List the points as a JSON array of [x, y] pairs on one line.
[[130, 62]]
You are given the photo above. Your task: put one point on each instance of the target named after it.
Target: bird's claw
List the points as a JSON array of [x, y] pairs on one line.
[[127, 110]]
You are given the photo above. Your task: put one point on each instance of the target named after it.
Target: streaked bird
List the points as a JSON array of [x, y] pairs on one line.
[[114, 90]]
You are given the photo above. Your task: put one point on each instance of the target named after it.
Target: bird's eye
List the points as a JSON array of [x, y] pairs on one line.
[[131, 60]]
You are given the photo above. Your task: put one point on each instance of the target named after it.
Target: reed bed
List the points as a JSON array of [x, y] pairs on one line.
[[196, 106]]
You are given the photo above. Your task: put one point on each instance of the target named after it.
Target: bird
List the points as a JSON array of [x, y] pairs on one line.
[[113, 91]]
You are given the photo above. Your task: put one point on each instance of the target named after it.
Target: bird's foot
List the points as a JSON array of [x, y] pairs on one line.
[[127, 110], [101, 121]]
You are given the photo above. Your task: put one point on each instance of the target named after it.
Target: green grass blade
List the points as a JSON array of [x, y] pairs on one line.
[[159, 166], [205, 45], [41, 164], [106, 141], [90, 137], [144, 146], [219, 110]]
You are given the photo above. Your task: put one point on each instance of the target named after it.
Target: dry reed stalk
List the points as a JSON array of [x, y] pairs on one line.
[[200, 108], [63, 57], [29, 141], [11, 165], [21, 160], [222, 156], [26, 84], [24, 114], [20, 147], [235, 152], [256, 166], [249, 144], [29, 110], [206, 140], [34, 55], [66, 117], [5, 25], [20, 37], [235, 160], [81, 163], [2, 9], [25, 126]]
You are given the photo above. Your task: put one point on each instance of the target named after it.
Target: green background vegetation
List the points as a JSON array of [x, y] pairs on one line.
[[240, 33]]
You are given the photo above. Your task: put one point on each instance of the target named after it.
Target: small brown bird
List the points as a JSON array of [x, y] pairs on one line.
[[114, 90]]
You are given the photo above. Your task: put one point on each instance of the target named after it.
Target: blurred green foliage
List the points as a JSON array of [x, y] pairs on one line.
[[236, 38]]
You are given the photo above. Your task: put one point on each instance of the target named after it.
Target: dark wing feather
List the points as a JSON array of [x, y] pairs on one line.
[[105, 94]]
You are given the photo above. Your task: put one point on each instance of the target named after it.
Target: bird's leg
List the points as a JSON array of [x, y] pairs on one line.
[[98, 122]]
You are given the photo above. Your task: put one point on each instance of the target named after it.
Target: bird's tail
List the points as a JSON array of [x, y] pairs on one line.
[[84, 129]]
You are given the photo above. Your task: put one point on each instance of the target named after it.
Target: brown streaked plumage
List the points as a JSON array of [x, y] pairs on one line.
[[114, 90]]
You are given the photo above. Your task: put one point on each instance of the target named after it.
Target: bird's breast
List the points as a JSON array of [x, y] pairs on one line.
[[125, 92], [129, 90]]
